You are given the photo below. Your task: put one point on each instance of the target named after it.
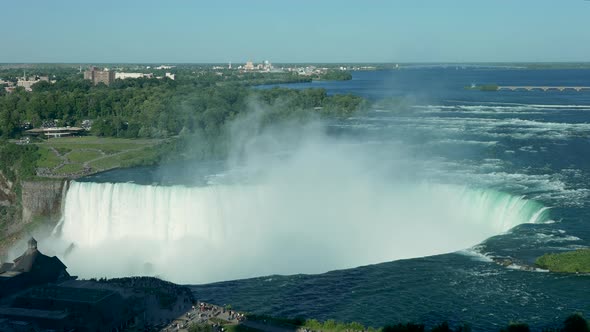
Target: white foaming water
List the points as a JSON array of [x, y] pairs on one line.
[[451, 126], [281, 226]]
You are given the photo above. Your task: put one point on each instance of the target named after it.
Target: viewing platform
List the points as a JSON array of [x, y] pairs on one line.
[[56, 131], [543, 88]]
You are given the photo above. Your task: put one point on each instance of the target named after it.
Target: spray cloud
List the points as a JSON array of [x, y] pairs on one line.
[[294, 200]]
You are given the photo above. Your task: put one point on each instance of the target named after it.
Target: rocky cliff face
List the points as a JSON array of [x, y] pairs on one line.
[[41, 199], [7, 192]]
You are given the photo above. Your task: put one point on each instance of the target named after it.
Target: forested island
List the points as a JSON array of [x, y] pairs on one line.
[[485, 87], [577, 261]]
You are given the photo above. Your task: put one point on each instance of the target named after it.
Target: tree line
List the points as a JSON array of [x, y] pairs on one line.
[[573, 323], [156, 108]]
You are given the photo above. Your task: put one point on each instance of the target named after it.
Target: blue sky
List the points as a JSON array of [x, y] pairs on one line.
[[295, 31]]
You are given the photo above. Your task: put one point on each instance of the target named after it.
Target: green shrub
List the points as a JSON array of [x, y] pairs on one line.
[[200, 328], [408, 327], [18, 160], [575, 323]]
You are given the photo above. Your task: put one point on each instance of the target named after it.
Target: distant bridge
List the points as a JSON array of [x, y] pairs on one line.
[[543, 88]]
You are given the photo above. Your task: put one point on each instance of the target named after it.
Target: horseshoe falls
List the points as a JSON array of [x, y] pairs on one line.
[[212, 233]]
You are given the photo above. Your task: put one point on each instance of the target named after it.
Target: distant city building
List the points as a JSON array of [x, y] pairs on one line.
[[265, 66], [249, 66], [99, 76], [8, 86], [53, 132], [164, 67], [123, 76], [27, 83]]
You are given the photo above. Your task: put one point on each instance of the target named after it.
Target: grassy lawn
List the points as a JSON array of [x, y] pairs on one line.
[[124, 159], [108, 145], [69, 169], [80, 156], [117, 152], [106, 163], [48, 158], [63, 151], [571, 261]]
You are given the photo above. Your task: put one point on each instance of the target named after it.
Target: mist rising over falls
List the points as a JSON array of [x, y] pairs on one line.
[[214, 233], [314, 206]]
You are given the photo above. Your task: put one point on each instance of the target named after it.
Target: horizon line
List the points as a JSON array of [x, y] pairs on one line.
[[316, 62]]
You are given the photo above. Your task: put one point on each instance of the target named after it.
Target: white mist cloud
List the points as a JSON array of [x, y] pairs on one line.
[[308, 203]]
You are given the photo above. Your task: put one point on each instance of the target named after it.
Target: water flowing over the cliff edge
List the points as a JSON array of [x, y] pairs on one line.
[[222, 232]]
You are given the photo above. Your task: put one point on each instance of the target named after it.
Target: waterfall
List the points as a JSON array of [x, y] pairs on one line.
[[221, 232]]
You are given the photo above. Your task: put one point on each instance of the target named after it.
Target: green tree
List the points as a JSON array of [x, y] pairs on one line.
[[408, 327], [516, 327], [575, 323]]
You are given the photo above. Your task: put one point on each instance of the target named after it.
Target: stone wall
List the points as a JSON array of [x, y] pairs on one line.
[[42, 199], [39, 201]]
